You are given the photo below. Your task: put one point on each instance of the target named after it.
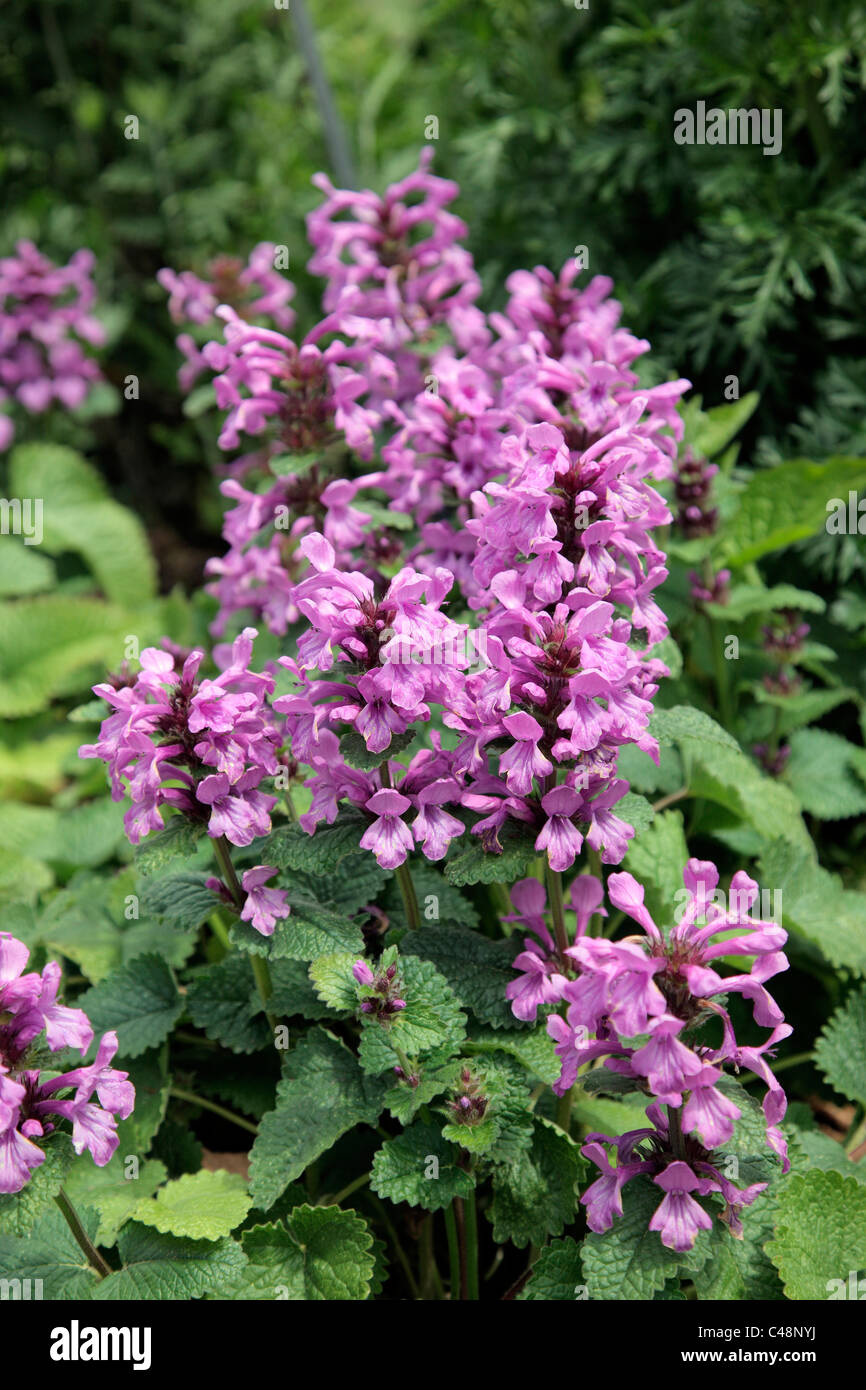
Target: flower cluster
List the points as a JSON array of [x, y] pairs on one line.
[[639, 1007], [380, 992], [44, 318], [200, 746], [33, 1099], [254, 291]]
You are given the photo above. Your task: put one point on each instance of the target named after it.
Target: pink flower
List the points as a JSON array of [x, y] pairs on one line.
[[263, 905]]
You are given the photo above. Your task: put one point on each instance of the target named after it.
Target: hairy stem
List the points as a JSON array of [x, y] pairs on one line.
[[471, 1221], [557, 909], [215, 1109], [73, 1221]]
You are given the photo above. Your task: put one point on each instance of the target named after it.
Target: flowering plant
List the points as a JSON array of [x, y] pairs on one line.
[[432, 679]]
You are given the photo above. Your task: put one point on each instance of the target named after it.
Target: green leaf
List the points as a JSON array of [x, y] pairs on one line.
[[19, 1210], [203, 1205], [629, 1262], [556, 1275], [321, 1254], [23, 570], [635, 811], [787, 503], [182, 898], [110, 1192], [431, 1021], [51, 1253], [79, 516], [535, 1195], [323, 1094], [817, 907], [715, 428], [746, 599], [49, 644], [471, 863], [821, 773], [420, 1167], [820, 1235], [356, 753], [684, 722], [177, 841], [533, 1048], [311, 930], [840, 1052], [739, 1270], [439, 901], [334, 982], [290, 847], [223, 1000], [476, 968], [140, 1002], [657, 858], [294, 992], [727, 777], [157, 1266]]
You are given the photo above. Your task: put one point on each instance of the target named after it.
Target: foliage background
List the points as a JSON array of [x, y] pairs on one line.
[[557, 123]]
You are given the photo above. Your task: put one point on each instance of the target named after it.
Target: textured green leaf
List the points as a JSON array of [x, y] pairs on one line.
[[165, 1267], [533, 1048], [323, 1094], [321, 1254], [629, 1262], [817, 907], [470, 863], [203, 1205], [535, 1195], [556, 1275], [23, 570], [223, 1000], [148, 1075], [840, 1052], [431, 1021], [476, 968], [440, 903], [294, 992], [290, 847], [356, 753], [684, 722], [182, 898], [713, 429], [140, 1002], [79, 516], [311, 930], [787, 503], [333, 981], [728, 777], [746, 599], [110, 1192], [420, 1167], [177, 841], [820, 1234], [19, 1210], [49, 644], [51, 1253], [821, 773]]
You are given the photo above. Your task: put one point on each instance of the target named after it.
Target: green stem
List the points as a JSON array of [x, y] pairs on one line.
[[348, 1190], [557, 909], [73, 1221], [670, 799], [261, 973], [857, 1138], [220, 930], [720, 667], [796, 1060], [453, 1250], [403, 873], [395, 1241], [675, 1130], [471, 1248], [563, 1110], [193, 1099]]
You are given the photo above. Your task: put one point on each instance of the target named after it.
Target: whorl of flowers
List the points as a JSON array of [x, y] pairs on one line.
[[34, 1099], [639, 1007], [200, 746], [44, 318], [254, 291]]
